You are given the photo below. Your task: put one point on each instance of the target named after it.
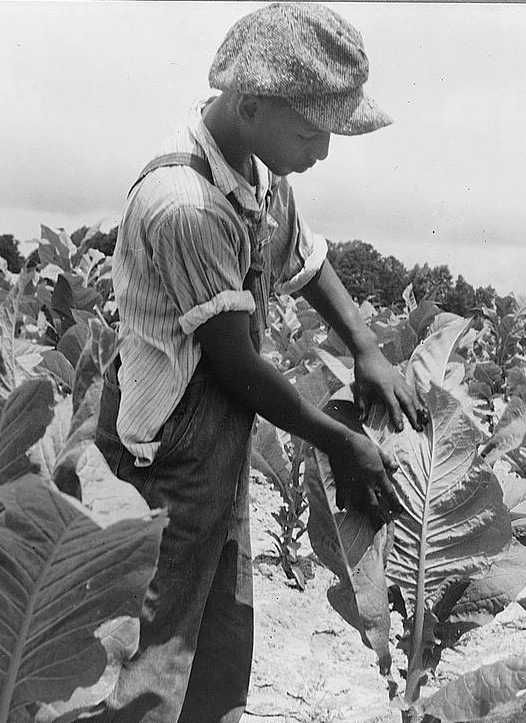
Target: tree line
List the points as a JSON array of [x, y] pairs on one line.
[[368, 275], [364, 271]]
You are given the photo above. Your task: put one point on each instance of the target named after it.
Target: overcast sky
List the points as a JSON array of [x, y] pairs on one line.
[[87, 91]]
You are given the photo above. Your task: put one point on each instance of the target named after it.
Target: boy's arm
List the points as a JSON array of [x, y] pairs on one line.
[[359, 466], [376, 378]]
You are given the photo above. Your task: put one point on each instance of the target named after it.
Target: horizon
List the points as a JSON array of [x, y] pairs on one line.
[[85, 106]]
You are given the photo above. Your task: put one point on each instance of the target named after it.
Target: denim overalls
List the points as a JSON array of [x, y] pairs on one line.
[[195, 653]]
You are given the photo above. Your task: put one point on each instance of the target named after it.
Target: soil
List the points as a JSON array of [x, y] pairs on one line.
[[311, 666]]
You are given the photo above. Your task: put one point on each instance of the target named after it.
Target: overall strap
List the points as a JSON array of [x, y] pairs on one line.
[[197, 163]]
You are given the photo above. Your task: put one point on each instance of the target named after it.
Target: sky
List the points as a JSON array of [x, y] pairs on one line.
[[88, 90]]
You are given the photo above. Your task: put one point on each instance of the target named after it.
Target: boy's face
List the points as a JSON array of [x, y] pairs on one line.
[[284, 140]]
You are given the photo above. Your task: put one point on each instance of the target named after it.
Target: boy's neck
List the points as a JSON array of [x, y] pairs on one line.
[[218, 119]]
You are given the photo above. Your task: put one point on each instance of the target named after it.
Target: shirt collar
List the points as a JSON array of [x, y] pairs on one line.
[[226, 178]]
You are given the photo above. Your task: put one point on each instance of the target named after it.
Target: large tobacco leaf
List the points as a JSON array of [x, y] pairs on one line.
[[454, 517], [61, 577], [490, 693], [454, 521]]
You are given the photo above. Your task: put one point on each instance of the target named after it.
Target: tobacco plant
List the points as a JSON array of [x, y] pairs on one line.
[[448, 563], [78, 547]]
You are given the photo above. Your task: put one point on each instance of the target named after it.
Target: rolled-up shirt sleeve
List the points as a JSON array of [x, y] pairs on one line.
[[202, 260], [297, 252]]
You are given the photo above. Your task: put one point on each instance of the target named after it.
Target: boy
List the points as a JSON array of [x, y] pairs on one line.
[[210, 226]]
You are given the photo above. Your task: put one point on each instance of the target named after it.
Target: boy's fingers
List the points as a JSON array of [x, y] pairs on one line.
[[388, 460], [389, 496], [409, 409], [395, 412], [374, 511]]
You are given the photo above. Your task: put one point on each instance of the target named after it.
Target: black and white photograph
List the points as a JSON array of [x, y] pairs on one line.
[[262, 362]]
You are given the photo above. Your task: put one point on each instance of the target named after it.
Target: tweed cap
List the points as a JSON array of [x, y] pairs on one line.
[[307, 54]]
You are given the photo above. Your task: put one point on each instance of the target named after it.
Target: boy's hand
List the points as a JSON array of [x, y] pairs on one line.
[[360, 471], [377, 380]]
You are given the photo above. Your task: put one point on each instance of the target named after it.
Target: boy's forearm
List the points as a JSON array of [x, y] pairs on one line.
[[329, 297], [257, 385]]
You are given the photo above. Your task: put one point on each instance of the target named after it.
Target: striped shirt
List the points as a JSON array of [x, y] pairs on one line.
[[181, 257]]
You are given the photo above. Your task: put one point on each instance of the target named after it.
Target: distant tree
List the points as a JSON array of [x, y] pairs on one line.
[[485, 296], [104, 242], [461, 298], [505, 305], [9, 251], [358, 265], [392, 280], [432, 283], [366, 274]]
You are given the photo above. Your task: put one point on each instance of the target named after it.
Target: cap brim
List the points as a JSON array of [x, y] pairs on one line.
[[346, 114]]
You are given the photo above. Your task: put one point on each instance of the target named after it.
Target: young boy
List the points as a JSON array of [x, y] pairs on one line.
[[210, 227]]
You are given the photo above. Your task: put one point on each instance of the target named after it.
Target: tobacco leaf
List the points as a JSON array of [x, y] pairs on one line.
[[510, 432], [348, 545], [454, 521], [61, 576], [25, 416], [480, 694]]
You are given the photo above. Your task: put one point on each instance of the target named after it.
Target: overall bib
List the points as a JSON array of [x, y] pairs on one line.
[[194, 658]]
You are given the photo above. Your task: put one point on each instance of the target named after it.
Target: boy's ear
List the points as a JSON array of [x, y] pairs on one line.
[[248, 107]]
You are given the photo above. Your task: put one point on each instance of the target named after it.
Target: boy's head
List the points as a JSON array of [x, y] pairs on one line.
[[305, 55]]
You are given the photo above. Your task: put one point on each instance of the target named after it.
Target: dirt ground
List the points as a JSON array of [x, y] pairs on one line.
[[309, 665]]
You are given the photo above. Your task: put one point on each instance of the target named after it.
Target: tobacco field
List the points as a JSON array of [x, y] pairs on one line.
[[389, 612]]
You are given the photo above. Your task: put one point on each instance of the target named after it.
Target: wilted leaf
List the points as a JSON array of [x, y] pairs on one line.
[[510, 432], [347, 544], [46, 451], [61, 577], [269, 455], [480, 693], [25, 416]]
